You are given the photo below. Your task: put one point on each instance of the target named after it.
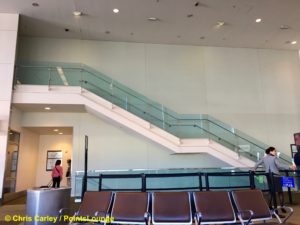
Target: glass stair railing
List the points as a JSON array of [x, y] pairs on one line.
[[182, 126]]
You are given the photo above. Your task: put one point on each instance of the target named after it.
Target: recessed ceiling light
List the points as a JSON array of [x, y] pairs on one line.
[[220, 24], [258, 20], [116, 10], [77, 13], [153, 19], [55, 130], [35, 4], [47, 108], [60, 133], [293, 42], [190, 15], [107, 32]]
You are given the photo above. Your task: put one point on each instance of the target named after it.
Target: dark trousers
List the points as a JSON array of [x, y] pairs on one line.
[[275, 186], [56, 182]]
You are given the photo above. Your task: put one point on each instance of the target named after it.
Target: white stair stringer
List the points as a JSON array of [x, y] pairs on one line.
[[221, 149], [40, 94], [197, 145]]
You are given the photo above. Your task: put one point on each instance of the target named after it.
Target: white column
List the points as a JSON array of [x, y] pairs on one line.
[[8, 43]]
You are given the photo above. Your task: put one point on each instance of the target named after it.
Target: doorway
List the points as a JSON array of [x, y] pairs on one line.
[[11, 164]]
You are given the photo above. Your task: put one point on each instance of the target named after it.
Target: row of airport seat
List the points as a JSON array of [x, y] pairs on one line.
[[166, 208]]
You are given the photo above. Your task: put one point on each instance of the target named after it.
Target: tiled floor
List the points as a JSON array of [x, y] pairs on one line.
[[295, 219], [17, 207]]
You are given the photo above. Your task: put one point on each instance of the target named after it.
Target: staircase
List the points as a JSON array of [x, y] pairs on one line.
[[101, 96]]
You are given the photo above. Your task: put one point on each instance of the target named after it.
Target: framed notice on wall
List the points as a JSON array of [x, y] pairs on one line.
[[52, 156]]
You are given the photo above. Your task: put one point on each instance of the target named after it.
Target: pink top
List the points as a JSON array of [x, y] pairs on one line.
[[57, 171]]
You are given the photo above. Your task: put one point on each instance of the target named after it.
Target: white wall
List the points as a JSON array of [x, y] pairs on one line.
[[27, 160], [112, 147], [254, 90], [52, 142], [28, 152], [33, 148], [15, 119], [8, 41]]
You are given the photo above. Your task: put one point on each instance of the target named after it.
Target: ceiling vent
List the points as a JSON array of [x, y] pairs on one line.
[[284, 27], [153, 19]]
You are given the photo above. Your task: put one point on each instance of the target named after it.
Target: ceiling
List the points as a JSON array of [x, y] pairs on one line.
[[51, 130], [61, 108], [66, 108], [186, 22]]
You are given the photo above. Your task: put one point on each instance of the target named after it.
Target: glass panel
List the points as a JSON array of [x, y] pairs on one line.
[[228, 182], [93, 184], [173, 182], [78, 185], [124, 183], [261, 182], [35, 75], [218, 178]]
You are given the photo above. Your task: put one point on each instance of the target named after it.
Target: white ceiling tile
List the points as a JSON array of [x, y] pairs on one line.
[[52, 17]]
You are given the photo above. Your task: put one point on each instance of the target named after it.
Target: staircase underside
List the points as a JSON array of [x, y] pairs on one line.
[[67, 95]]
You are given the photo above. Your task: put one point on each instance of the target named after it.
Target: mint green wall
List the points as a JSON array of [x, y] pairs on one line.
[[254, 90]]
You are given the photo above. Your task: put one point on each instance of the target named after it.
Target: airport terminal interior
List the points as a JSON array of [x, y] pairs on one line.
[[149, 101]]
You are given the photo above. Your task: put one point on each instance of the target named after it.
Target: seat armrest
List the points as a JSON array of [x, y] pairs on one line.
[[97, 213], [198, 218], [62, 210], [248, 219], [147, 217], [289, 210], [61, 213], [106, 218]]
